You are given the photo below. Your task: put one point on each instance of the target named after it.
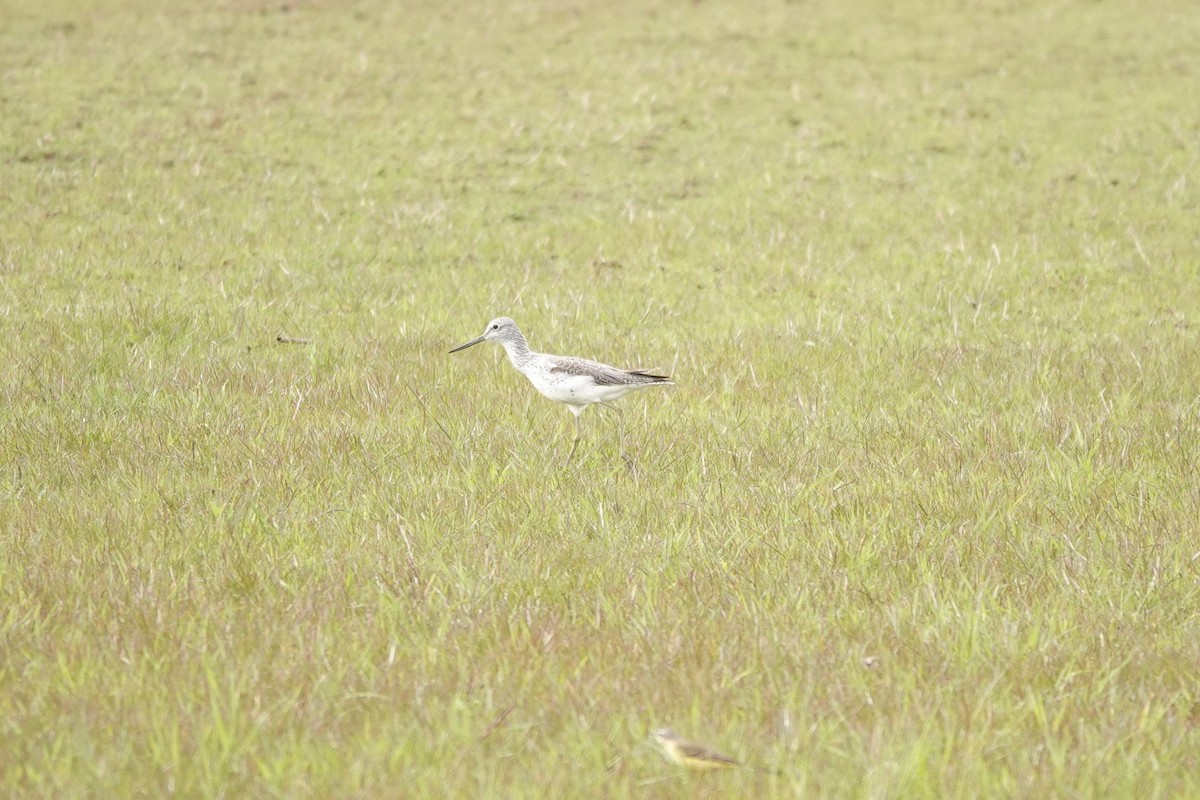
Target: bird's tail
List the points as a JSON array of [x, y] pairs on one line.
[[653, 377]]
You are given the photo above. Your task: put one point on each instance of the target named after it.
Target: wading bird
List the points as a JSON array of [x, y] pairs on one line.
[[575, 382]]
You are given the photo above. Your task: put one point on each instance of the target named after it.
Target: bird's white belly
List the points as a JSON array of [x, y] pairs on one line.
[[575, 390]]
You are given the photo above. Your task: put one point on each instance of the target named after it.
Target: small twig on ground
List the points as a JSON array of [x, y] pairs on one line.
[[497, 722]]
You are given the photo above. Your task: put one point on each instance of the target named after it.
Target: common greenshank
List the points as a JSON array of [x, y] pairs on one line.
[[575, 382]]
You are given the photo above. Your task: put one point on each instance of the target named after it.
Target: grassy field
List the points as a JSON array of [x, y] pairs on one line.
[[920, 518]]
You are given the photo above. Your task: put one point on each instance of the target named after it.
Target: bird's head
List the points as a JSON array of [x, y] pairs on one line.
[[501, 329]]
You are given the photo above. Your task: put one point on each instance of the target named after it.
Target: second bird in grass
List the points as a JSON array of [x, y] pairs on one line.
[[575, 382], [691, 755]]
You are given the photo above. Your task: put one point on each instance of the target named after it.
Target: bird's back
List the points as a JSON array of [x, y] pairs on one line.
[[603, 374]]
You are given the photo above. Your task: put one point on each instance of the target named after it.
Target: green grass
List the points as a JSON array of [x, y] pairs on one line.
[[919, 519]]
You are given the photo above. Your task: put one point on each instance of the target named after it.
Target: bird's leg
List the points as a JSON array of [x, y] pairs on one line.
[[575, 443]]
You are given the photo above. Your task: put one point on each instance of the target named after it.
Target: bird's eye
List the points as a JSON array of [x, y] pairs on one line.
[[495, 327]]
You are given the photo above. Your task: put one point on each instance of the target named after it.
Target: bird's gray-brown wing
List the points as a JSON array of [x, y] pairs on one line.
[[603, 374], [702, 753]]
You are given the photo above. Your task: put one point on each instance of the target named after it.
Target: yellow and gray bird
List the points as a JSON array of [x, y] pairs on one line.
[[691, 755]]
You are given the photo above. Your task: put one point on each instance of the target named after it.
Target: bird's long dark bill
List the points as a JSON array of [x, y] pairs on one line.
[[476, 340]]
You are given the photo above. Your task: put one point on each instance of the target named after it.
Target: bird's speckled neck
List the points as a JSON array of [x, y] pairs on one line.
[[517, 349]]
